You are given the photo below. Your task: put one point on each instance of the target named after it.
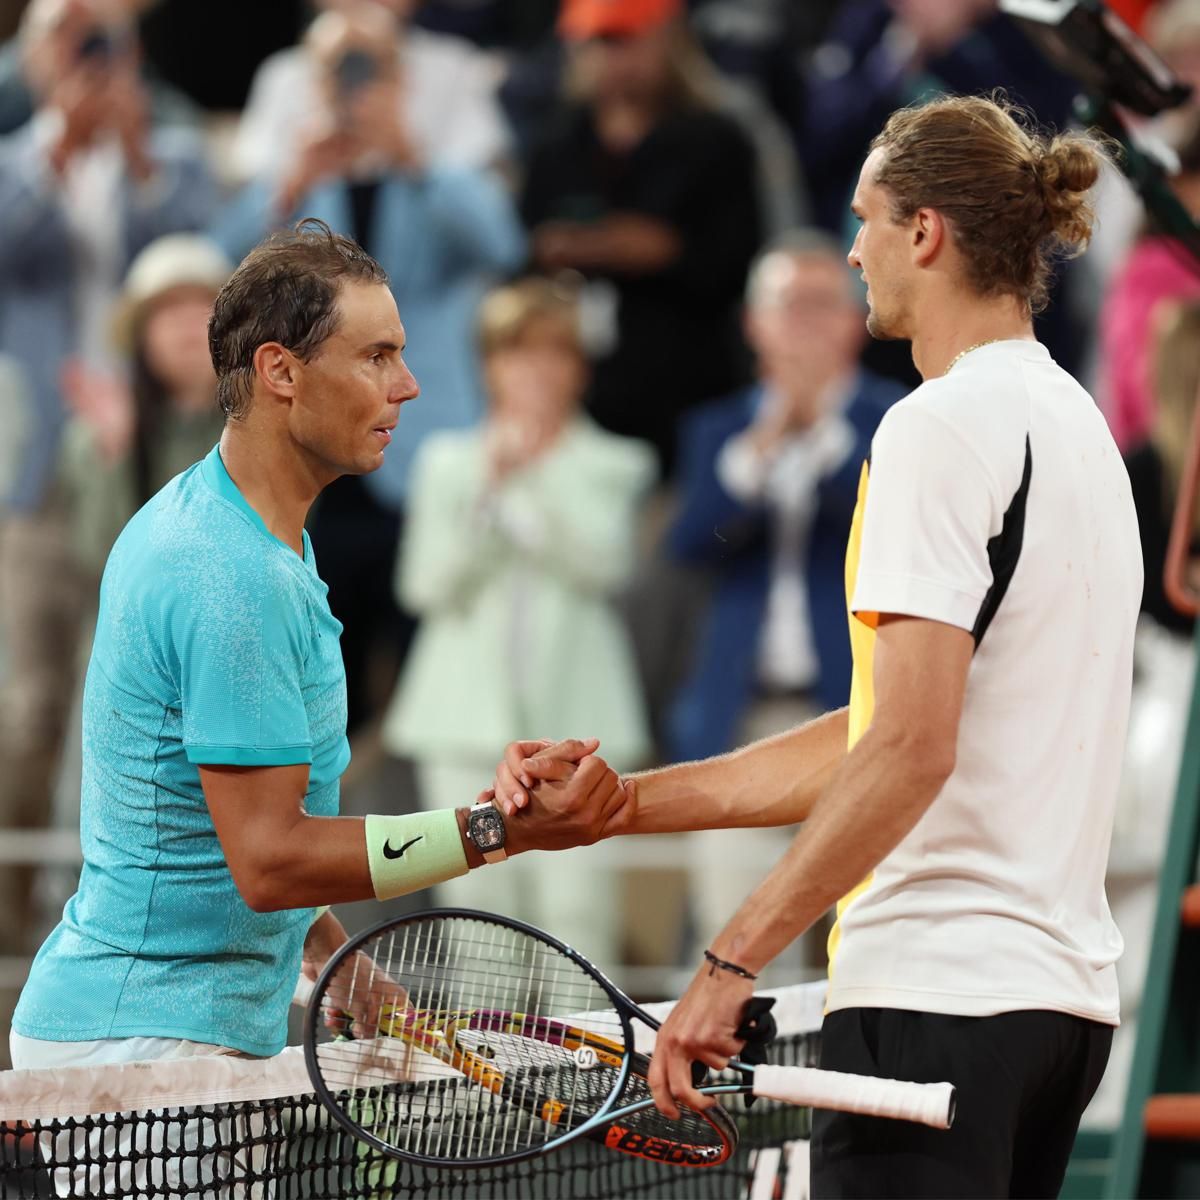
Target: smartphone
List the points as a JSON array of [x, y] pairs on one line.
[[97, 46], [354, 69]]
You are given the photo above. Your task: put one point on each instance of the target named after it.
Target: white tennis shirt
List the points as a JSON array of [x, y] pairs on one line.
[[995, 500]]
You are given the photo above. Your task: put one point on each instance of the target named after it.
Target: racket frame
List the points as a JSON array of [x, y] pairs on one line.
[[604, 1125], [474, 1067]]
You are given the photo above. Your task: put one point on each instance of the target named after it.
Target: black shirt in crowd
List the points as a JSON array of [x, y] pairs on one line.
[[678, 330]]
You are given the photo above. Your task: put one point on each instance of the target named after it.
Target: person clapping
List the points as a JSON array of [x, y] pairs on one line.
[[520, 533]]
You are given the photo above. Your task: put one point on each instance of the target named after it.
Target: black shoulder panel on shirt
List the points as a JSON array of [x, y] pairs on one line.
[[1004, 550]]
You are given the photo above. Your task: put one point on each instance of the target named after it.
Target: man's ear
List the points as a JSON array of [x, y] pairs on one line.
[[928, 235], [275, 365]]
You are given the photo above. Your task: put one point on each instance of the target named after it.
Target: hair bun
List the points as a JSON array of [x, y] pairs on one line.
[[1068, 166]]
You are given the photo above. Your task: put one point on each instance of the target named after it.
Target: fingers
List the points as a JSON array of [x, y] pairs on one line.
[[529, 763], [509, 793], [511, 777], [670, 1082], [679, 1079], [515, 754], [550, 770], [569, 750], [656, 1079]]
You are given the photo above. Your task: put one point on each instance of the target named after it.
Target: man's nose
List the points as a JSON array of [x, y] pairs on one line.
[[406, 388]]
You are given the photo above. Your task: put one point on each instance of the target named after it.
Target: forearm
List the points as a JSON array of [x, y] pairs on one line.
[[323, 860], [879, 794], [772, 782]]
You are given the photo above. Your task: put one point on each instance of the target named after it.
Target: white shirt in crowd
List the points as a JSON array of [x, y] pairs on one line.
[[450, 106], [787, 482]]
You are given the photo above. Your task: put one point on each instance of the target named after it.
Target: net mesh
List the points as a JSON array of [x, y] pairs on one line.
[[220, 1129]]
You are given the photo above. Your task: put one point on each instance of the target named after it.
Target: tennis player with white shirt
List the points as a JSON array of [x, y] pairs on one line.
[[214, 723], [993, 582]]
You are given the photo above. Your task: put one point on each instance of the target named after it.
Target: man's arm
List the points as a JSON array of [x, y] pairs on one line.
[[882, 789], [772, 782], [280, 857], [775, 781]]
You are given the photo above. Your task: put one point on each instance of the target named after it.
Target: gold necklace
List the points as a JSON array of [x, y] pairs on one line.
[[964, 353]]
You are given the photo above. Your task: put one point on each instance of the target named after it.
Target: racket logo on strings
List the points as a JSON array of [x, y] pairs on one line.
[[586, 1058]]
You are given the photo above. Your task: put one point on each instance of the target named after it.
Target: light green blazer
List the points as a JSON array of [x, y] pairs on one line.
[[518, 637]]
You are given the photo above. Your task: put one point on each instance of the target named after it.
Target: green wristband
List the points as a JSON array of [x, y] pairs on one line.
[[413, 851]]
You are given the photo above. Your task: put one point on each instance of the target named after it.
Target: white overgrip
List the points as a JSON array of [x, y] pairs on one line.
[[927, 1103]]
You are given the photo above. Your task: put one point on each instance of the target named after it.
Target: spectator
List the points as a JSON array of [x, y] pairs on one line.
[[768, 484], [521, 531], [1163, 679], [84, 185], [534, 81], [878, 55], [1157, 270], [16, 418], [168, 106], [129, 439], [444, 96], [769, 478], [1156, 464], [648, 191], [441, 232], [1172, 30]]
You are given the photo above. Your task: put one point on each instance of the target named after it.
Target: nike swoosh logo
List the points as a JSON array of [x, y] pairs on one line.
[[388, 852]]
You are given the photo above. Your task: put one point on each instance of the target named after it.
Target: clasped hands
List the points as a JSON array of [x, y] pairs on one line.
[[555, 795]]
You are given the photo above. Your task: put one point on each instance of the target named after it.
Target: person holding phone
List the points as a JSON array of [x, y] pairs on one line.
[[446, 94], [85, 184]]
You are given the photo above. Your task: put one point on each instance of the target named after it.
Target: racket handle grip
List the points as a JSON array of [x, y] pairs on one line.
[[927, 1103]]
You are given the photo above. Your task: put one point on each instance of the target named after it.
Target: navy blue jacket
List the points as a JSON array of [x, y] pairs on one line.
[[734, 541]]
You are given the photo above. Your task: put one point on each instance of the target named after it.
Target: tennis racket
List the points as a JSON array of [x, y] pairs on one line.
[[454, 1037]]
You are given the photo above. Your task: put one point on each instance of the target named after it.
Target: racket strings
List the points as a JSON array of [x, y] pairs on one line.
[[692, 1128], [465, 1052]]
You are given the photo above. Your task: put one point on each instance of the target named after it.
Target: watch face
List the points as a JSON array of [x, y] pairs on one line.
[[487, 829]]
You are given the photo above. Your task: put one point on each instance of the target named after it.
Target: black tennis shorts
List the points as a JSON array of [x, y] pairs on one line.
[[1023, 1079]]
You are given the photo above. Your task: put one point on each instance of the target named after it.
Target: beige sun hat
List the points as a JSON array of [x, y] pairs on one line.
[[174, 261]]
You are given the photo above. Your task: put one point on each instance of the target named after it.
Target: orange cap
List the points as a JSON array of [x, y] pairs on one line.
[[579, 20]]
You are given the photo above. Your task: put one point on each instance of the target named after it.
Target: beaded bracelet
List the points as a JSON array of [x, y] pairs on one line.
[[732, 968]]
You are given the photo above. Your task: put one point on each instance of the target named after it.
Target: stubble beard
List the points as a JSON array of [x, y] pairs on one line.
[[879, 329]]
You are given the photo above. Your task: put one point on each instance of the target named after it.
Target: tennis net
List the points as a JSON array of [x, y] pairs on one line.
[[230, 1128]]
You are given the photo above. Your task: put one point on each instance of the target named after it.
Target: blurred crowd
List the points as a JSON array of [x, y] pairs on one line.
[[616, 232]]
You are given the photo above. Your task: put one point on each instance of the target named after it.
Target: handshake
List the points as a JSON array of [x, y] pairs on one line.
[[555, 795]]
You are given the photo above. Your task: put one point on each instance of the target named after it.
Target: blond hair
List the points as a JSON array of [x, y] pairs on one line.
[[508, 313], [1016, 199], [1176, 382]]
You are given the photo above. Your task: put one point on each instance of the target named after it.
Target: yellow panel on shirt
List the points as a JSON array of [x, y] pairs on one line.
[[862, 683]]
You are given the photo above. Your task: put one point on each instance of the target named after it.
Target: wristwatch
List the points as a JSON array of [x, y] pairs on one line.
[[485, 828]]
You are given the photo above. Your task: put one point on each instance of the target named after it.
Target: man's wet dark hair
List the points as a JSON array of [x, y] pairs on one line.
[[286, 291]]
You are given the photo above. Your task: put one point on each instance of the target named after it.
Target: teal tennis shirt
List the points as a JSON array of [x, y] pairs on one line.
[[214, 645]]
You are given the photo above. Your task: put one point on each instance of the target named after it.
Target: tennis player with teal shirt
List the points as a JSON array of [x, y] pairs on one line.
[[214, 731]]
